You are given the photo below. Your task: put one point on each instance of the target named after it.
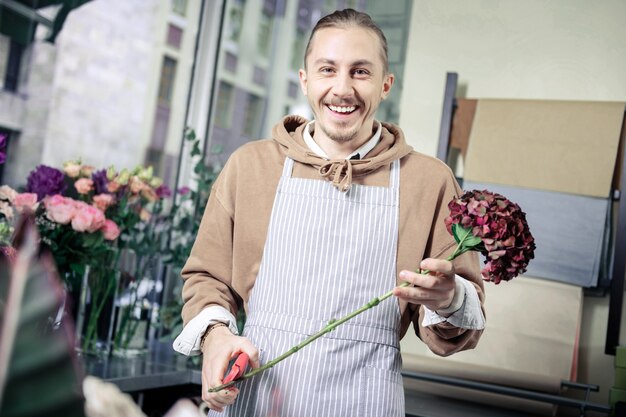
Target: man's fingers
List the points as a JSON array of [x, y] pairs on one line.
[[433, 282], [442, 266], [218, 400], [420, 294], [253, 354]]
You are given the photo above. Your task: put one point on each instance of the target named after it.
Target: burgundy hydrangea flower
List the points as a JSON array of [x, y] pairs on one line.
[[100, 181], [45, 180], [501, 225]]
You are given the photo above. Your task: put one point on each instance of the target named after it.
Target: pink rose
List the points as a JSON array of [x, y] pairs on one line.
[[113, 186], [103, 201], [83, 185], [25, 201], [87, 218], [59, 209], [110, 230]]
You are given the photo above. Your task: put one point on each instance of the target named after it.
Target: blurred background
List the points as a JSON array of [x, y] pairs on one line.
[[122, 79]]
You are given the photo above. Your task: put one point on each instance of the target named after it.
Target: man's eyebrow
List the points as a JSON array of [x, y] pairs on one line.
[[358, 63], [362, 63]]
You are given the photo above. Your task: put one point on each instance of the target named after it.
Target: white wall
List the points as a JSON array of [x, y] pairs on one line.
[[534, 49], [98, 100]]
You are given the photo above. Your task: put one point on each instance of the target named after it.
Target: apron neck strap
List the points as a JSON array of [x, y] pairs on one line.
[[394, 176]]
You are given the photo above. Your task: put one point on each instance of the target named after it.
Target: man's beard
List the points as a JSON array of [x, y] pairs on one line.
[[340, 136]]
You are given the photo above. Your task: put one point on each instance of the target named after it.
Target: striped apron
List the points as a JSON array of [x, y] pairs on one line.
[[327, 253]]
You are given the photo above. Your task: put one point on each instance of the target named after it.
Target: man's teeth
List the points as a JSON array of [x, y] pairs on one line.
[[342, 109]]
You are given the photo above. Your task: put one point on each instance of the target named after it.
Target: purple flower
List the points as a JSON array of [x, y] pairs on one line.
[[184, 190], [163, 191], [100, 181], [45, 180], [3, 144]]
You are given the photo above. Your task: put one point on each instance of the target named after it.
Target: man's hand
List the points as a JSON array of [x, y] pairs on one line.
[[435, 290], [220, 346]]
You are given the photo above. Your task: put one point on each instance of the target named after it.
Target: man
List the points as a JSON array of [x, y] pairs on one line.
[[314, 223]]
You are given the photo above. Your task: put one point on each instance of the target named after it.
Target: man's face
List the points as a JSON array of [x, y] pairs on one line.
[[344, 82]]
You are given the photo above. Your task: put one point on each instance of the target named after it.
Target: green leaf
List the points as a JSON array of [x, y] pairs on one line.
[[41, 378], [465, 237], [195, 150], [455, 233]]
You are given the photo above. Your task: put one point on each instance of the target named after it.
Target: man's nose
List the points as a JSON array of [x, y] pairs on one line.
[[343, 85]]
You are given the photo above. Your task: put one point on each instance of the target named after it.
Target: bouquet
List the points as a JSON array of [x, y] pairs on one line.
[[83, 215], [480, 221], [85, 218]]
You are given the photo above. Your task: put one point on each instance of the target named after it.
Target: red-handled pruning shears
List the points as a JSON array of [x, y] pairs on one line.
[[237, 369]]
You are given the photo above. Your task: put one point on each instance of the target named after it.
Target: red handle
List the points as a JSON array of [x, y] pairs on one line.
[[237, 369]]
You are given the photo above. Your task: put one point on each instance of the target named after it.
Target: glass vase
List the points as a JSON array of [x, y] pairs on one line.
[[94, 312], [135, 303]]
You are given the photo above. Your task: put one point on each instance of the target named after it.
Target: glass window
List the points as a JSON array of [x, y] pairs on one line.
[[174, 36], [235, 22], [168, 74], [252, 118], [265, 34], [179, 7], [292, 89], [230, 62], [224, 107], [297, 51], [5, 45]]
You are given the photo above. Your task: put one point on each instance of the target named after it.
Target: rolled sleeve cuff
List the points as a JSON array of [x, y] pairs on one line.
[[188, 341], [468, 315]]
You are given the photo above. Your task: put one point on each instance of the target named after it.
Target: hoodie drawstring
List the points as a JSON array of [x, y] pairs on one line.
[[339, 173]]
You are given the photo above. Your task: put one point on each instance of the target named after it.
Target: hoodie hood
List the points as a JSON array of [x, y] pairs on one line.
[[288, 133]]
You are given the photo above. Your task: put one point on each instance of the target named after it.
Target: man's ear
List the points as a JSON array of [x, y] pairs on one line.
[[303, 80], [387, 84]]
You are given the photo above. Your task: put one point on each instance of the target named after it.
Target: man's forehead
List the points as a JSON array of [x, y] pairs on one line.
[[366, 51]]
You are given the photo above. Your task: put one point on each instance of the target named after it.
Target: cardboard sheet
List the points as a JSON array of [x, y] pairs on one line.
[[563, 146], [462, 124], [569, 232], [530, 342]]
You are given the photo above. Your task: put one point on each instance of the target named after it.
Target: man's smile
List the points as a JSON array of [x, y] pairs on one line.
[[342, 109]]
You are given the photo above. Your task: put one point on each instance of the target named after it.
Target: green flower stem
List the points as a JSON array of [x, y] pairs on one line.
[[101, 287], [99, 299], [460, 248], [126, 330]]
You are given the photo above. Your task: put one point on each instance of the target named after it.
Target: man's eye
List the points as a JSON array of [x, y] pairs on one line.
[[361, 72], [326, 70]]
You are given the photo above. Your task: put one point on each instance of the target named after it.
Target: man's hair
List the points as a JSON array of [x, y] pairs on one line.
[[343, 19]]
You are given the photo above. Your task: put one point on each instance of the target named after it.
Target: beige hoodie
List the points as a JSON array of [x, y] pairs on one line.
[[226, 255]]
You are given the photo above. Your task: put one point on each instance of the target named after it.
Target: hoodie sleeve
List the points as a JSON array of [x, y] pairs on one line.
[[445, 338], [429, 187], [207, 274]]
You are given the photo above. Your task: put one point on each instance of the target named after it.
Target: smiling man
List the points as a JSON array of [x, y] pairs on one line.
[[312, 224]]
